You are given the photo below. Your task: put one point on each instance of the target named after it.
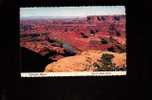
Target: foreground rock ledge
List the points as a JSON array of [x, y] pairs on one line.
[[84, 61]]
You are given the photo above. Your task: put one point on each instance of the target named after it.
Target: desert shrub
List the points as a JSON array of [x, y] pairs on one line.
[[92, 32], [111, 49], [50, 40], [120, 48], [102, 67], [99, 18], [103, 18], [121, 69], [88, 18], [104, 41], [105, 63], [117, 18], [106, 59], [83, 35]]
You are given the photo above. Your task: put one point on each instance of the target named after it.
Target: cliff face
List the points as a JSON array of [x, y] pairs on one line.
[[87, 61], [58, 38], [91, 43]]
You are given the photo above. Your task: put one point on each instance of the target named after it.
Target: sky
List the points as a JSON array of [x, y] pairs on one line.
[[81, 11]]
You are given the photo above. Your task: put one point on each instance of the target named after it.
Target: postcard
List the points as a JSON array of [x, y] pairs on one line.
[[73, 41]]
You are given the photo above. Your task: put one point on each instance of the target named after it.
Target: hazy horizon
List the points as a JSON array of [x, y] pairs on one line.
[[61, 12], [61, 17]]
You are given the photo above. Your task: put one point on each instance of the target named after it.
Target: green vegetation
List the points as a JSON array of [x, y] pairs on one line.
[[105, 63], [106, 58], [104, 41], [88, 18], [83, 35], [92, 32]]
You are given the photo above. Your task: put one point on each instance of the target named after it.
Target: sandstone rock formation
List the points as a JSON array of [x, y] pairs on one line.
[[84, 62], [81, 33], [76, 44]]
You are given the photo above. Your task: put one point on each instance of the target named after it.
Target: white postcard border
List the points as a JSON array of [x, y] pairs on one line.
[[69, 74]]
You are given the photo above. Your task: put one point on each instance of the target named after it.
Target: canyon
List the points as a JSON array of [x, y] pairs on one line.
[[58, 38]]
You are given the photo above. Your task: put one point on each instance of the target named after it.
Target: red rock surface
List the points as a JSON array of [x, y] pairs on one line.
[[56, 37]]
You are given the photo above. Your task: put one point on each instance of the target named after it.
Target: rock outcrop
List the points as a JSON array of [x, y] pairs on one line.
[[77, 44], [81, 33], [84, 62]]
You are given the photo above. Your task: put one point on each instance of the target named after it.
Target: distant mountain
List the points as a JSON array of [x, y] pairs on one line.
[[50, 17]]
